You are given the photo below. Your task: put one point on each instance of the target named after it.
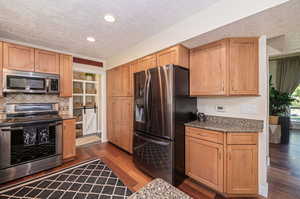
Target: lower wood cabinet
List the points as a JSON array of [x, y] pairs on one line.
[[69, 139], [120, 124], [229, 167], [242, 168], [204, 162]]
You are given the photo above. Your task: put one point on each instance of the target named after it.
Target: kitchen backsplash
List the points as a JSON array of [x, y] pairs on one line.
[[65, 105]]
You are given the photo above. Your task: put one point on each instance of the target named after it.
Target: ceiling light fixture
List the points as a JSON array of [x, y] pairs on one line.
[[91, 39], [109, 18]]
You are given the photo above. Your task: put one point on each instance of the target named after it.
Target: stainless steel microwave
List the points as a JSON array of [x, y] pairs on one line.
[[29, 82]]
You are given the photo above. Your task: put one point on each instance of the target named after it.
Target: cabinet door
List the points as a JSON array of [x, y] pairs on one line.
[[46, 61], [1, 69], [177, 55], [66, 74], [204, 162], [244, 66], [125, 80], [17, 57], [242, 164], [69, 136], [146, 63], [208, 69], [121, 125], [119, 81]]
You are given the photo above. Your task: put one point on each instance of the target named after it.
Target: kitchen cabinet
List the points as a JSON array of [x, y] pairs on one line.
[[120, 123], [225, 162], [243, 67], [208, 75], [242, 166], [119, 81], [145, 63], [204, 162], [69, 139], [17, 57], [66, 74], [46, 61], [1, 68], [178, 55], [225, 68]]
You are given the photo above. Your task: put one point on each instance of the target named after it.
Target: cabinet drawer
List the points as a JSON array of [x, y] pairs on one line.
[[212, 136], [242, 138]]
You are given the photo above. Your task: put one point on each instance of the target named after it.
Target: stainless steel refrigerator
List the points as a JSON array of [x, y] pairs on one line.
[[162, 106]]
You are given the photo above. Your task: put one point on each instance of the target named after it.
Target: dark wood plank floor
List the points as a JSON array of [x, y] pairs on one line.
[[122, 165], [284, 170]]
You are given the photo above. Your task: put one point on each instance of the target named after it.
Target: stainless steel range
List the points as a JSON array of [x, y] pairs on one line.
[[30, 140]]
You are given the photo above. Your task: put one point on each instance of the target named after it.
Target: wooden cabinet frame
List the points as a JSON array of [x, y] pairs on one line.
[[239, 162], [237, 75]]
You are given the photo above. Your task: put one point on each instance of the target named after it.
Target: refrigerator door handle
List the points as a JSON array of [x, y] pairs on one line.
[[145, 98], [147, 95]]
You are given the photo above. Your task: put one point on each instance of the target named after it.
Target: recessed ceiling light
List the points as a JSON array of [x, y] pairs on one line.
[[109, 18], [91, 39]]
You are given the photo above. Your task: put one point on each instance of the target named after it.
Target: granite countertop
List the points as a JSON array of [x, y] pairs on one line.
[[159, 188], [228, 124]]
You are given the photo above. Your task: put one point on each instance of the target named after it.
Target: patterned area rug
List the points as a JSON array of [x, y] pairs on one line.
[[90, 180]]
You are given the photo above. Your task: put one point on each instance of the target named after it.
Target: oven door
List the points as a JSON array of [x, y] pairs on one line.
[[24, 84], [154, 156], [27, 143]]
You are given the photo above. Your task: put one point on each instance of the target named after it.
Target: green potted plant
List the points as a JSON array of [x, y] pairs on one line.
[[279, 104]]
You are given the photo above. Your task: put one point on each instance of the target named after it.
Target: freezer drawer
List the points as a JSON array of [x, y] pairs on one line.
[[154, 156]]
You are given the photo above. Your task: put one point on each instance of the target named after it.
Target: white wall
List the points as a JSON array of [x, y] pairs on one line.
[[221, 13], [248, 107]]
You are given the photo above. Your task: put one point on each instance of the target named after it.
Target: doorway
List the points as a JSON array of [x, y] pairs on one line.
[[284, 131], [86, 107]]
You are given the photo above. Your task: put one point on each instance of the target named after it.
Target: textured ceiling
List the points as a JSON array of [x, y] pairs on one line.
[[65, 24], [283, 21]]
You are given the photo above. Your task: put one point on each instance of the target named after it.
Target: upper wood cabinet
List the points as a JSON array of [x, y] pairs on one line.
[[145, 63], [242, 175], [208, 69], [226, 67], [178, 55], [17, 57], [243, 67], [46, 61], [119, 82], [66, 75], [119, 123], [1, 68], [69, 137]]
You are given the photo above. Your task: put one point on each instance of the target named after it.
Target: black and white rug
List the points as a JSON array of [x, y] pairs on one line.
[[90, 180]]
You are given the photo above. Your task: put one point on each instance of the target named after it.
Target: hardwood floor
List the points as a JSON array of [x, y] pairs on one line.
[[122, 165], [284, 170]]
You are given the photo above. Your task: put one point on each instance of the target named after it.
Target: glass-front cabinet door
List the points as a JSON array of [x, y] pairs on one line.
[[86, 88]]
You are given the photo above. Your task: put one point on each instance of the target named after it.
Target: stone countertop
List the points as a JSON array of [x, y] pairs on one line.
[[159, 189], [227, 124]]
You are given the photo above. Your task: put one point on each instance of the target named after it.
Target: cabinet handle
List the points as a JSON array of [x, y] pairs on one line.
[[219, 154], [229, 155]]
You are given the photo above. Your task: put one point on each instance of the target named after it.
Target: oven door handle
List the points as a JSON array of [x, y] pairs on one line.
[[12, 129], [21, 127]]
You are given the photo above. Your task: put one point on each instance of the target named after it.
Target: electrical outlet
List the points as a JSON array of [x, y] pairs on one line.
[[220, 108]]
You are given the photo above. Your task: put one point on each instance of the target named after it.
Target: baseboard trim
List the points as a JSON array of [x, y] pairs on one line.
[[263, 190]]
